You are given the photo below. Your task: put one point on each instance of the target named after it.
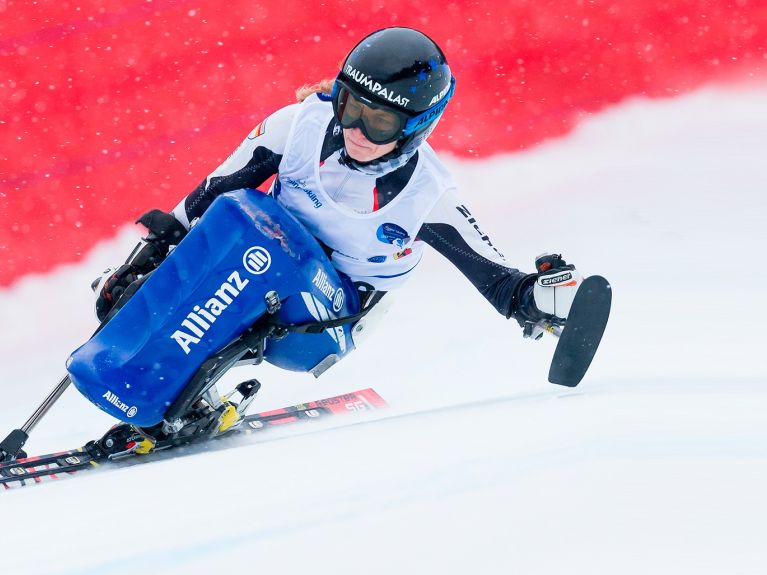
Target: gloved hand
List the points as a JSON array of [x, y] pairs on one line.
[[165, 232], [555, 286], [111, 285]]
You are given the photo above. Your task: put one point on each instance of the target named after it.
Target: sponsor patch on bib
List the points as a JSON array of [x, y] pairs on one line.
[[390, 233]]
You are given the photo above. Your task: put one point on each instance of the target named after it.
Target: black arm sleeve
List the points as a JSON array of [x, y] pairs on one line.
[[502, 286], [263, 164]]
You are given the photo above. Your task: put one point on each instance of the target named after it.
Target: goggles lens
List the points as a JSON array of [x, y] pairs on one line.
[[383, 125], [380, 126]]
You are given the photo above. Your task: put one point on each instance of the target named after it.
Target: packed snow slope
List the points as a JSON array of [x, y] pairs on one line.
[[656, 463]]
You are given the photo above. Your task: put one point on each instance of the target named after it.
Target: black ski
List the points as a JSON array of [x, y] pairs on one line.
[[582, 332], [31, 470]]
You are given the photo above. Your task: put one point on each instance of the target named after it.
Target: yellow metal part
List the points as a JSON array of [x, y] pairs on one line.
[[228, 418], [145, 446], [549, 328]]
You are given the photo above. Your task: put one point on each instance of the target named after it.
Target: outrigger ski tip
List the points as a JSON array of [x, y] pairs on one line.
[[124, 441], [582, 333]]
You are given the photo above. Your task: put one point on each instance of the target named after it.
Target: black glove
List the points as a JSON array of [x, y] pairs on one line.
[[165, 231], [111, 286], [545, 295]]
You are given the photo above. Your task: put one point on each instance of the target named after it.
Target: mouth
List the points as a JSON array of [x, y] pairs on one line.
[[358, 144]]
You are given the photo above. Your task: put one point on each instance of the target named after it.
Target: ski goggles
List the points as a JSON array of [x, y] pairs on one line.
[[381, 124]]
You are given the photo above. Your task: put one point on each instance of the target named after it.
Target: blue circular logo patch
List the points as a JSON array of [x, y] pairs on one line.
[[392, 234]]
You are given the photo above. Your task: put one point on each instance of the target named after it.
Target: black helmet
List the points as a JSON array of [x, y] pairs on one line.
[[402, 73]]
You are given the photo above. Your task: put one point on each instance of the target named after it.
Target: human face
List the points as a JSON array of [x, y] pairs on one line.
[[361, 149], [380, 124]]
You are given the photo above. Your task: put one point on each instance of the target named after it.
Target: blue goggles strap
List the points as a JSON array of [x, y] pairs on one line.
[[428, 116]]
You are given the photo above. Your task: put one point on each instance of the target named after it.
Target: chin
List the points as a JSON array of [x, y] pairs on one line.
[[365, 153], [360, 157], [360, 154]]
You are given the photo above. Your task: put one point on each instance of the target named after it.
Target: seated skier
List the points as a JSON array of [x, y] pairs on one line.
[[353, 166]]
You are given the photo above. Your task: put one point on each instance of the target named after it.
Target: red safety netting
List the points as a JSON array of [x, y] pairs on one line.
[[109, 108]]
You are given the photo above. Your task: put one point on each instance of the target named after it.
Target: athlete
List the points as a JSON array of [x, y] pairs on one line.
[[352, 164]]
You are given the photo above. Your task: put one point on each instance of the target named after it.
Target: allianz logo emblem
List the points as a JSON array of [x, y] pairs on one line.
[[257, 260], [338, 300], [112, 398], [201, 318], [334, 295]]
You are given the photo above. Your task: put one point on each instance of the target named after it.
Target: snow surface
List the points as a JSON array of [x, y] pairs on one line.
[[656, 463]]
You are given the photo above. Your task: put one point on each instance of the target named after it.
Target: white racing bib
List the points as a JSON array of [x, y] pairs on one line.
[[377, 248]]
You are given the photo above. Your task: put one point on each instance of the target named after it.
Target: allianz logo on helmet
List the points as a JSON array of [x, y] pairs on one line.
[[375, 87]]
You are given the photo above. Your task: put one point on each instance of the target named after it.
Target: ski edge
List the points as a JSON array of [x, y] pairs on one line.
[[48, 467]]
